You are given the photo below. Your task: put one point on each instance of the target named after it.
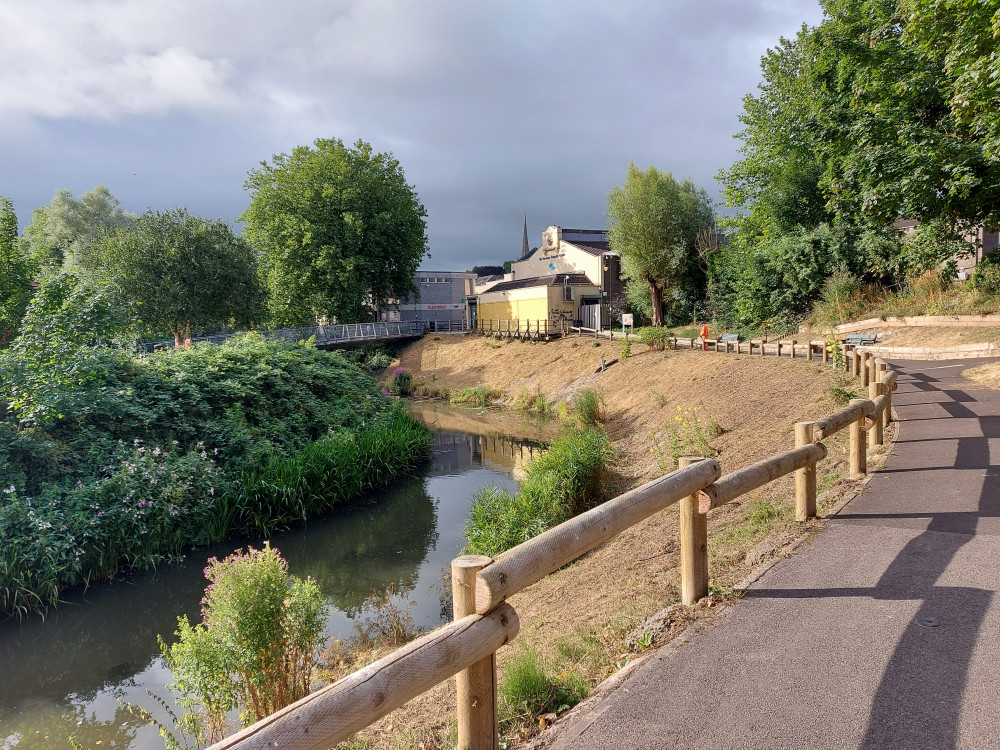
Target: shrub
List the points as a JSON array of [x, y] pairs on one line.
[[626, 348], [986, 277], [255, 648], [401, 383], [655, 337]]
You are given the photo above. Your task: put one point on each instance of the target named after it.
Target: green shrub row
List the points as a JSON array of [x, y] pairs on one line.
[[108, 462], [565, 480]]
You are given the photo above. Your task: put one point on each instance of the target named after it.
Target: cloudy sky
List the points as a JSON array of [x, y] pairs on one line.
[[495, 108]]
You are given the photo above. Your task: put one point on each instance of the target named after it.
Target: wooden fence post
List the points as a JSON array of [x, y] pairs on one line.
[[865, 371], [805, 478], [694, 544], [873, 367], [476, 686], [856, 362], [875, 433], [826, 353], [859, 455], [883, 369]]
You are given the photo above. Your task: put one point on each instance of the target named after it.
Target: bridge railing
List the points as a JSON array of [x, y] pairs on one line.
[[484, 621], [324, 334]]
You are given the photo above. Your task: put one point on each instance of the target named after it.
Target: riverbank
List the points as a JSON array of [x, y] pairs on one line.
[[591, 617]]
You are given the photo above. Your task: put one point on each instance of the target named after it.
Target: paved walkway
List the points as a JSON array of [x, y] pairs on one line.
[[884, 632]]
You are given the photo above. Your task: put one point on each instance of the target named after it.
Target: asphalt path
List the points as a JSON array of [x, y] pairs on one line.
[[882, 633]]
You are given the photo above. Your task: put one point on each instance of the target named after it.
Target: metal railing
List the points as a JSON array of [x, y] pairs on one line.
[[324, 334]]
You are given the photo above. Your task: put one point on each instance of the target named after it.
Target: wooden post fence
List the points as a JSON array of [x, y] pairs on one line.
[[483, 621], [694, 544], [476, 686], [805, 478], [859, 456]]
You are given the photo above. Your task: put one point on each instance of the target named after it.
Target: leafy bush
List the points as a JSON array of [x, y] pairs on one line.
[[655, 337], [255, 648], [626, 348], [986, 277], [401, 383], [567, 479], [113, 462]]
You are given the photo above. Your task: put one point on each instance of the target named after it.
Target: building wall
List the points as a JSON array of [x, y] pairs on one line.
[[533, 303], [566, 259], [441, 295]]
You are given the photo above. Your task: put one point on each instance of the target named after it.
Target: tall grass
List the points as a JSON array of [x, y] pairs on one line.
[[336, 468], [528, 689], [567, 479]]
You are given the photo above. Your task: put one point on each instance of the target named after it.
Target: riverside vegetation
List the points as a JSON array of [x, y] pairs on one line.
[[110, 462]]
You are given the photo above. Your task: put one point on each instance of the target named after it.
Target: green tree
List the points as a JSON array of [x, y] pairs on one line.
[[65, 233], [255, 647], [15, 274], [179, 271], [654, 225], [340, 231]]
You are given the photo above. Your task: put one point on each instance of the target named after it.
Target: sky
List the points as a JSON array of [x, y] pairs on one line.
[[494, 108]]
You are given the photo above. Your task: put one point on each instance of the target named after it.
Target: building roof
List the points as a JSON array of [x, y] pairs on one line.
[[559, 279], [591, 247], [488, 279]]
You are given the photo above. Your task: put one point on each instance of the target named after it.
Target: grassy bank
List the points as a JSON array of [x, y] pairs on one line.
[[108, 462], [587, 620]]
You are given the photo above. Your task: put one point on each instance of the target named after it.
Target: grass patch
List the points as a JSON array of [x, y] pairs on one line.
[[567, 479], [588, 407], [528, 689], [535, 402], [481, 396]]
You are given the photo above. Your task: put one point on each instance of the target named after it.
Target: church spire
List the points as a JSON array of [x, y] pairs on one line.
[[524, 241]]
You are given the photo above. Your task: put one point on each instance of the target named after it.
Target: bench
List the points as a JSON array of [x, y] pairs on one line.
[[860, 339]]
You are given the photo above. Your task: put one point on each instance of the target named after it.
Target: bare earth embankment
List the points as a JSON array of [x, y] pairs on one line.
[[585, 616]]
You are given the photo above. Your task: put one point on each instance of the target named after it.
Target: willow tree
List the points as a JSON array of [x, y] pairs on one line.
[[179, 272], [654, 226]]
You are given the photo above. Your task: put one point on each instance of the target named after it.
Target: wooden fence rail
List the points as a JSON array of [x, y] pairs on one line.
[[484, 621]]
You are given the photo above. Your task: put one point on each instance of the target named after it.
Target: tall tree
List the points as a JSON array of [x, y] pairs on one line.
[[654, 225], [64, 234], [15, 274], [340, 230], [179, 271]]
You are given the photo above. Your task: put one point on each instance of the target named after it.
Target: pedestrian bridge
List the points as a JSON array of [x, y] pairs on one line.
[[326, 336]]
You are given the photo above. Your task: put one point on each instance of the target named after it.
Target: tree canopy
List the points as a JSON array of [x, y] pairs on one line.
[[65, 233], [15, 274], [178, 271], [654, 226], [340, 230]]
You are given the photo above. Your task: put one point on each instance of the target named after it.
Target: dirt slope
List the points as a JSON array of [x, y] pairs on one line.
[[590, 607]]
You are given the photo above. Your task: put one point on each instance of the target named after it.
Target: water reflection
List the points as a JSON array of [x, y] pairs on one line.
[[64, 675]]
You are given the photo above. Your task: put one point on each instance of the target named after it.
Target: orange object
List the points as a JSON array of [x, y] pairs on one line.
[[703, 331]]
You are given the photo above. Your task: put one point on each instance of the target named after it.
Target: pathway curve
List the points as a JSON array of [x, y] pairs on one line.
[[882, 633]]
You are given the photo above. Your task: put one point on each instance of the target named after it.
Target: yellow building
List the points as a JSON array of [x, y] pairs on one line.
[[569, 279]]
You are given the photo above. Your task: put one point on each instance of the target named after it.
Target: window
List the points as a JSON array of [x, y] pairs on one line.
[[567, 293], [423, 279]]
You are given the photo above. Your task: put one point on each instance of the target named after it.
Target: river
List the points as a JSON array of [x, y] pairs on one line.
[[71, 672]]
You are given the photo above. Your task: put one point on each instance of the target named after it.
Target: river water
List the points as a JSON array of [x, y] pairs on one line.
[[71, 672]]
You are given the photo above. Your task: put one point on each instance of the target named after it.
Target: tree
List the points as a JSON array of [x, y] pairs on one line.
[[15, 274], [65, 233], [179, 271], [340, 230], [654, 224]]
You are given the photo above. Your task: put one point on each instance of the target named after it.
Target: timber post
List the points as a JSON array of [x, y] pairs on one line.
[[805, 478], [875, 432], [856, 362], [883, 371], [865, 372], [859, 455], [476, 686], [826, 353], [694, 544]]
